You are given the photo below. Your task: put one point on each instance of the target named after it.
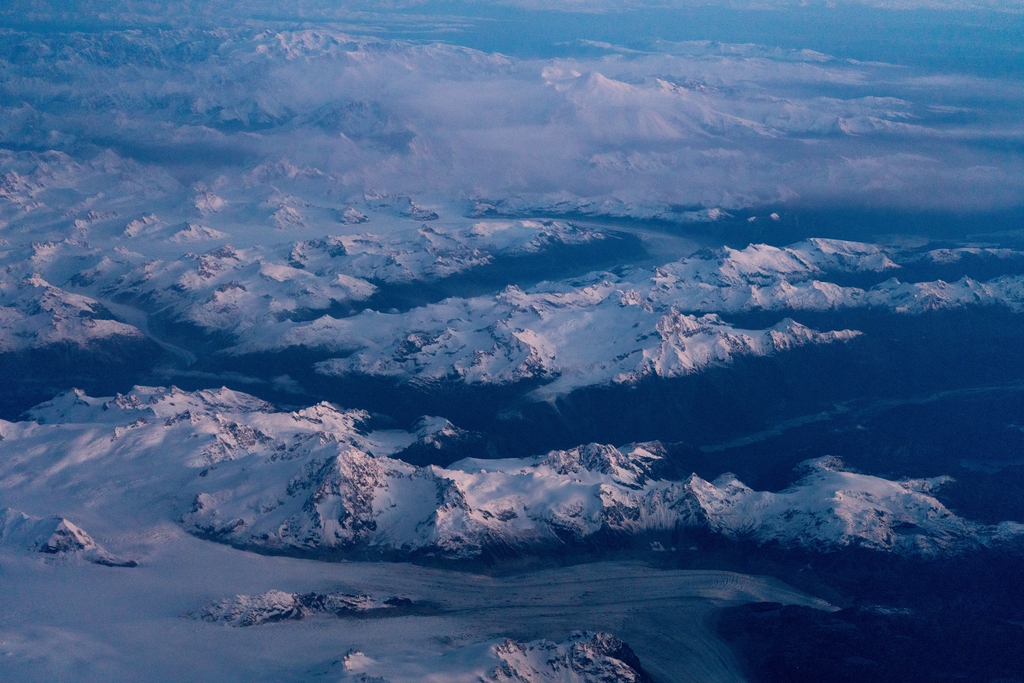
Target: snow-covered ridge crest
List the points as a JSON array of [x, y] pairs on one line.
[[271, 293], [156, 402], [758, 277], [360, 503], [224, 289], [432, 252], [759, 264], [193, 255], [585, 657], [830, 507], [763, 277], [312, 482], [518, 336], [237, 280], [220, 424]]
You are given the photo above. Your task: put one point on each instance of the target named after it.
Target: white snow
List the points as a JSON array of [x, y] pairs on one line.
[[230, 468], [664, 323], [55, 537], [262, 289], [196, 233], [270, 178], [583, 658], [244, 275], [275, 605], [589, 336], [35, 314]]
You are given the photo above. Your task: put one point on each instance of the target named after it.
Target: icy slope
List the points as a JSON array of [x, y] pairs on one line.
[[219, 258], [762, 277], [233, 290], [311, 482], [361, 504]]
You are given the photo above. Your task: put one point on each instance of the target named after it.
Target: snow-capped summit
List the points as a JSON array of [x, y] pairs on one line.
[[275, 605], [665, 323], [56, 537], [356, 502], [142, 402], [762, 263], [629, 468], [328, 283]]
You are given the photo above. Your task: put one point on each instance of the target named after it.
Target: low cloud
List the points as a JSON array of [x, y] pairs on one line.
[[679, 124]]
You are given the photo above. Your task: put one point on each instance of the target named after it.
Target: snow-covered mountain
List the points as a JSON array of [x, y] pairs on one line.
[[235, 290], [762, 277], [84, 265], [662, 322], [585, 657], [640, 324], [312, 482], [518, 336], [56, 537], [612, 132], [399, 205], [35, 314], [365, 504], [302, 202], [151, 246]]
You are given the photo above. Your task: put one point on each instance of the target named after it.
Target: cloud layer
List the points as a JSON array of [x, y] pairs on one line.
[[677, 124]]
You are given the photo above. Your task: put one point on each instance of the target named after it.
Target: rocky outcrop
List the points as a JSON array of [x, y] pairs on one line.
[[273, 606]]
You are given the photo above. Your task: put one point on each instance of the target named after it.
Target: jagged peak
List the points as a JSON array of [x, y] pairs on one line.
[[333, 417], [628, 467]]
